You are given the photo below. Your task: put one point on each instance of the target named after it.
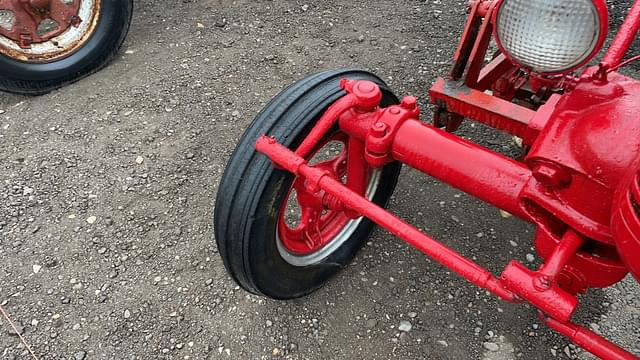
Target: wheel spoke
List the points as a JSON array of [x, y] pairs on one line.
[[336, 166], [65, 13], [312, 234], [319, 221], [23, 22]]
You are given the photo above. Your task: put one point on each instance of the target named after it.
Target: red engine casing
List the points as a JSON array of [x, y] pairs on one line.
[[592, 140]]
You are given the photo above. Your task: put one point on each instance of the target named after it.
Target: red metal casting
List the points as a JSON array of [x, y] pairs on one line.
[[319, 221], [582, 151], [579, 182], [29, 14], [546, 295]]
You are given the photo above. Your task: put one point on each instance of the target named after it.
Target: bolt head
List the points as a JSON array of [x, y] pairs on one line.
[[365, 87], [379, 129], [542, 283], [367, 93], [551, 175], [409, 103]]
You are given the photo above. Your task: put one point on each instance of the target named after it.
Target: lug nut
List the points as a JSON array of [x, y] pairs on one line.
[[379, 130], [409, 103]]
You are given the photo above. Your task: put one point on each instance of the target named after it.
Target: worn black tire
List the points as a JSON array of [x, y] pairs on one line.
[[251, 191], [37, 78]]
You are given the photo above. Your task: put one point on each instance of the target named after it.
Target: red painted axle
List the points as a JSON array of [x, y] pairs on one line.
[[473, 169]]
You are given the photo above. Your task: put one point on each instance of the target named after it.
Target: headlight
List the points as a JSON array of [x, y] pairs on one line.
[[551, 36]]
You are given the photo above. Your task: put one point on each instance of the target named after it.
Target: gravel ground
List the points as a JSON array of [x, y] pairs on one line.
[[107, 191]]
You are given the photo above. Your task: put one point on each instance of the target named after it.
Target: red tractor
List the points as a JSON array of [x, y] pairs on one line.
[[45, 44], [312, 174]]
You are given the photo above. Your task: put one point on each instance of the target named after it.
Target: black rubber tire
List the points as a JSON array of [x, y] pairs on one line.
[[251, 191], [37, 78]]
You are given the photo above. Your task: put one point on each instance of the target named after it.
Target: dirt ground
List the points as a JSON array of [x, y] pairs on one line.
[[107, 190]]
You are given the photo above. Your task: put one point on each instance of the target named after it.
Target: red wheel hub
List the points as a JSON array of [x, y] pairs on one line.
[[320, 217], [26, 17]]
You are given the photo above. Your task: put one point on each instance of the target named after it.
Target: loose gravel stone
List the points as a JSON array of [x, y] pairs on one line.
[[36, 268], [491, 346], [19, 328], [405, 326], [371, 323]]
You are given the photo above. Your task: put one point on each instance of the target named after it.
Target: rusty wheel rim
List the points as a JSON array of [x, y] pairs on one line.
[[41, 31]]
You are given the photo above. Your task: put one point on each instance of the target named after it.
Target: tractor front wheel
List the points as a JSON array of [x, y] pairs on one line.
[[276, 237]]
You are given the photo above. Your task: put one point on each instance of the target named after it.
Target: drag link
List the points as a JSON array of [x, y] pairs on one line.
[[588, 340], [449, 258]]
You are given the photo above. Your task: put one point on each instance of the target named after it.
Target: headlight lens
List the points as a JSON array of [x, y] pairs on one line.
[[549, 36]]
